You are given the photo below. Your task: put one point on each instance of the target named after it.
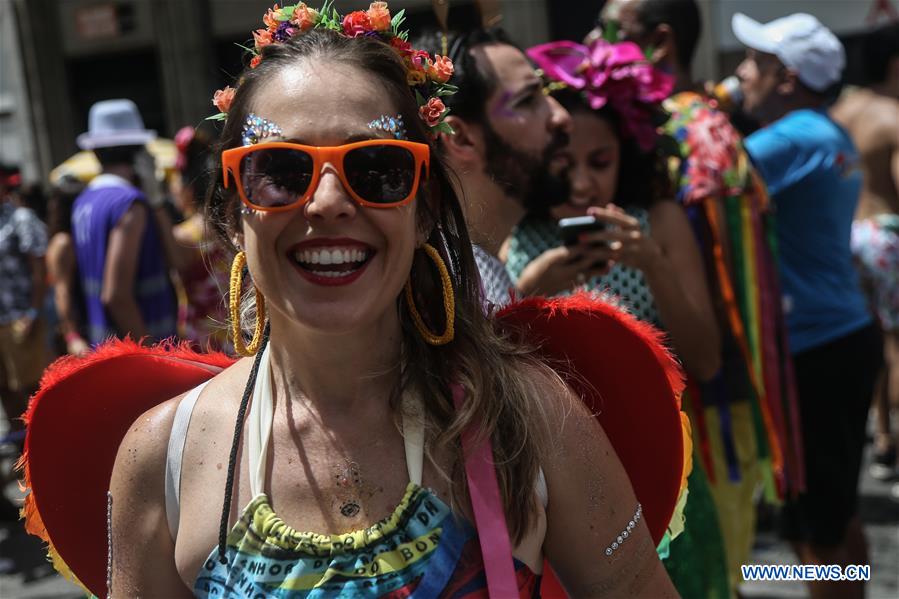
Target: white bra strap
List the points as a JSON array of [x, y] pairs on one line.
[[414, 437], [542, 491], [174, 454], [259, 424]]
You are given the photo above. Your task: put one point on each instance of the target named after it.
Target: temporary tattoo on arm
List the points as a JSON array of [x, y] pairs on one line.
[[626, 533], [629, 573], [256, 129]]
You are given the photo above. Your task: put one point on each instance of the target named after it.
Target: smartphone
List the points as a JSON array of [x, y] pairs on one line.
[[572, 228]]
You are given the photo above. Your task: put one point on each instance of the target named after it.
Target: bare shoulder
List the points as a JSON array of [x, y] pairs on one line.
[[667, 219], [868, 115], [143, 449], [145, 444], [559, 410], [59, 244], [60, 254], [222, 395]]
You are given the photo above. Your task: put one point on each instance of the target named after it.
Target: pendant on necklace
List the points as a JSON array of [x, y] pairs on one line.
[[350, 488], [350, 508]]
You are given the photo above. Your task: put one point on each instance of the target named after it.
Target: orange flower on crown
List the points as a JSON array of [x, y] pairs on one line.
[[379, 16], [428, 75], [223, 98], [441, 69], [431, 112], [304, 17], [270, 18], [263, 38], [356, 23]]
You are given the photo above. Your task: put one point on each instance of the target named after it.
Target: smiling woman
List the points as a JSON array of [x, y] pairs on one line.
[[371, 352]]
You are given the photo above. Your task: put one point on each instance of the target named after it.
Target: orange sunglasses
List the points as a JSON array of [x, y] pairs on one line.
[[278, 176]]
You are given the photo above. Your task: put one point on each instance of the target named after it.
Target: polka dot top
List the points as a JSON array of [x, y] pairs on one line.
[[535, 235]]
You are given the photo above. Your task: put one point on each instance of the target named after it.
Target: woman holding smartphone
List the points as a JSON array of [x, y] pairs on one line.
[[641, 249]]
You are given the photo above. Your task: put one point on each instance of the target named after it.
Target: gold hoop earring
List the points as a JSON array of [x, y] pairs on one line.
[[449, 302], [240, 260]]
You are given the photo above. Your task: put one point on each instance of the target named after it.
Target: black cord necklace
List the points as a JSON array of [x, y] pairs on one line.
[[235, 443]]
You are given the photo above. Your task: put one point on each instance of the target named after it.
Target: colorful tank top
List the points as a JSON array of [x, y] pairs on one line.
[[422, 550]]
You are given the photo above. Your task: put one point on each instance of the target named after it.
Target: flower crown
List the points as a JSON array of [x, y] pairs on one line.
[[427, 76], [616, 74]]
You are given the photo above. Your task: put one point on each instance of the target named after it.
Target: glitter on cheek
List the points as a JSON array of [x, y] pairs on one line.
[[256, 129]]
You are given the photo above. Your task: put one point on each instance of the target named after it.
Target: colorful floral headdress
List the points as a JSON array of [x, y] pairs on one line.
[[616, 74], [427, 76]]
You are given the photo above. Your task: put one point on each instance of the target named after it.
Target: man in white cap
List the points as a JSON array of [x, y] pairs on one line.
[[120, 252], [793, 66]]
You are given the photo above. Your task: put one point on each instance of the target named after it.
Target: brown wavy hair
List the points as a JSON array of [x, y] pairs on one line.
[[503, 380]]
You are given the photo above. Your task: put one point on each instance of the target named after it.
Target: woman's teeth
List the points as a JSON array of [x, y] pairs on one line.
[[327, 256]]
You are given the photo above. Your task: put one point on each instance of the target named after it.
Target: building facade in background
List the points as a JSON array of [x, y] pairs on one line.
[[58, 57]]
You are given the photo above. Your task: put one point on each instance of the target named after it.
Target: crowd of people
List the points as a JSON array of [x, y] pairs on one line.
[[353, 163]]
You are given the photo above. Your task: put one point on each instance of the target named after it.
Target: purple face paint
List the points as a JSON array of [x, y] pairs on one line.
[[502, 109]]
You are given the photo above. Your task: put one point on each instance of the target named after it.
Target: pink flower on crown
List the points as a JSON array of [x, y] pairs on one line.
[[615, 74], [263, 38], [255, 61], [379, 16], [223, 98], [432, 112], [270, 18], [356, 23], [441, 70], [304, 17], [419, 60]]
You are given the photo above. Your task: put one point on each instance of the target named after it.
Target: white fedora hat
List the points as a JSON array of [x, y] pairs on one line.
[[113, 123]]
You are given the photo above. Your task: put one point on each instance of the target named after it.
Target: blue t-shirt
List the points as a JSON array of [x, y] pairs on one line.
[[95, 213], [812, 170]]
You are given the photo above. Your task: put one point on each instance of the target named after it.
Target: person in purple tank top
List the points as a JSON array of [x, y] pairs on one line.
[[119, 249]]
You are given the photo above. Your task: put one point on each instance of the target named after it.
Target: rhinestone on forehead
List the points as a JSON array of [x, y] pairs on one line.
[[391, 124], [256, 128]]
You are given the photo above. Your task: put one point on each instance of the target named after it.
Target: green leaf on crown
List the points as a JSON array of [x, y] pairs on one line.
[[397, 20], [250, 50]]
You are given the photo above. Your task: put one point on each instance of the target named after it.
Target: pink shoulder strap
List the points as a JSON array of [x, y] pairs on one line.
[[489, 516]]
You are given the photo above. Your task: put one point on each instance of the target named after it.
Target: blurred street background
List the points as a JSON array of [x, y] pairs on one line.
[[59, 57]]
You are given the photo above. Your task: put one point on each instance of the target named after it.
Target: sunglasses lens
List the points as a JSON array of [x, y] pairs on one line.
[[380, 174], [274, 177]]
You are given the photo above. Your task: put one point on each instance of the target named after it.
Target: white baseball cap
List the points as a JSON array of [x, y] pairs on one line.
[[801, 43], [114, 123]]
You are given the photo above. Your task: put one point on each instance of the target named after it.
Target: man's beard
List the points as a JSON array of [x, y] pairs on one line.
[[523, 175]]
